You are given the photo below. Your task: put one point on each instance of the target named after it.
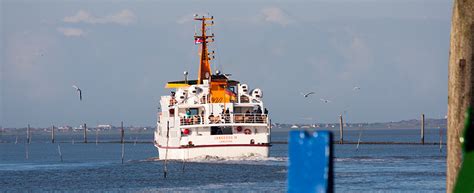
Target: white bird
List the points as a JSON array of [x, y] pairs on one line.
[[325, 100], [307, 94], [78, 91], [356, 88]]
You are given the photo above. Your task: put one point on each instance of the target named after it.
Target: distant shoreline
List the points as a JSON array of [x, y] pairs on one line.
[[404, 124]]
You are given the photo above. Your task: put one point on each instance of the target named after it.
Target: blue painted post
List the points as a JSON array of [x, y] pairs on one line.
[[310, 167]]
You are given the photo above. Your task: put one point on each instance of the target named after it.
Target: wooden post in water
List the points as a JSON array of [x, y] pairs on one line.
[[341, 130], [27, 151], [165, 167], [122, 132], [28, 134], [52, 134], [123, 151], [460, 83], [85, 133], [422, 128], [440, 139], [59, 152]]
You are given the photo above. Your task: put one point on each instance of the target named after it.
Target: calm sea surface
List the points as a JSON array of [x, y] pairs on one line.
[[97, 167]]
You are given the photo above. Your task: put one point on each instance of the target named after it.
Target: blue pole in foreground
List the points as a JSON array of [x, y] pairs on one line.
[[310, 167]]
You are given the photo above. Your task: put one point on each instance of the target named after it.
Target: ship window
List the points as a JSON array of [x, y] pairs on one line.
[[237, 109], [221, 130], [244, 99], [194, 111], [242, 110]]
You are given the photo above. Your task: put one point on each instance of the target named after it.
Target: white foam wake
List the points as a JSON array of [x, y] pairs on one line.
[[250, 159]]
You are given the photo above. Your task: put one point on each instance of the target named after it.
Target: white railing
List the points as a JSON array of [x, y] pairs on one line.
[[250, 118], [224, 119], [191, 120]]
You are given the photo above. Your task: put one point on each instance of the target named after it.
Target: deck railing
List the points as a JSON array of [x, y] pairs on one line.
[[191, 120], [249, 118], [224, 119]]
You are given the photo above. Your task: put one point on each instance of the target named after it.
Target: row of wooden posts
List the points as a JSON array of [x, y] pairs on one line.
[[28, 133], [122, 132], [28, 140], [422, 128]]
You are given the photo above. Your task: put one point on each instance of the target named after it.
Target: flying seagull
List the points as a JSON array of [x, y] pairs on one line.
[[307, 94], [356, 88], [78, 91], [325, 100]]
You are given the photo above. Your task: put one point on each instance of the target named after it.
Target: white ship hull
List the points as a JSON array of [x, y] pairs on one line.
[[223, 151], [201, 143]]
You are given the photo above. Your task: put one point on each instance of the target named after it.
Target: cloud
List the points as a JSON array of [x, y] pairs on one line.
[[359, 58], [123, 17], [185, 19], [360, 53], [71, 32], [275, 15]]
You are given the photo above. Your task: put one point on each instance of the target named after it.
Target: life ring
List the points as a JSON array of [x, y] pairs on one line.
[[239, 129], [247, 131]]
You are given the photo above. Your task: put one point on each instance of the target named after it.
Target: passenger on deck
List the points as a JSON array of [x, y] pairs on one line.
[[258, 111], [187, 117], [217, 119], [226, 116], [195, 119], [247, 116], [188, 113], [265, 111], [248, 113], [173, 99], [211, 118]]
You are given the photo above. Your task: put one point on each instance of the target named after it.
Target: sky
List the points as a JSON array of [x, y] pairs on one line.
[[122, 53]]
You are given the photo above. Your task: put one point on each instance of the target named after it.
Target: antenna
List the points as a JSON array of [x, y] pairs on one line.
[[203, 39], [185, 77]]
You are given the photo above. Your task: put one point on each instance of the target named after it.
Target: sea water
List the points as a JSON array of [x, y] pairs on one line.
[[98, 168]]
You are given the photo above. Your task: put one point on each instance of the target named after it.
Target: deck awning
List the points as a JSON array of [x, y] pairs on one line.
[[182, 83]]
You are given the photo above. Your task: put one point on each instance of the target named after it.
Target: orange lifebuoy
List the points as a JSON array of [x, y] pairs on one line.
[[247, 132]]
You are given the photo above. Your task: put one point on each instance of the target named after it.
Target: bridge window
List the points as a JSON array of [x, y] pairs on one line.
[[221, 130]]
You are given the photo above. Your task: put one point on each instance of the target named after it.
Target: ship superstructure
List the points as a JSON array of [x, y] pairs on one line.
[[212, 115]]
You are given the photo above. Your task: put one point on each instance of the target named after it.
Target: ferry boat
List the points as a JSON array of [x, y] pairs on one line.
[[212, 115]]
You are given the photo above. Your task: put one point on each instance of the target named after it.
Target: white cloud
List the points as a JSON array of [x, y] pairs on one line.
[[123, 17], [185, 19], [80, 16], [275, 15], [71, 32], [359, 57]]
